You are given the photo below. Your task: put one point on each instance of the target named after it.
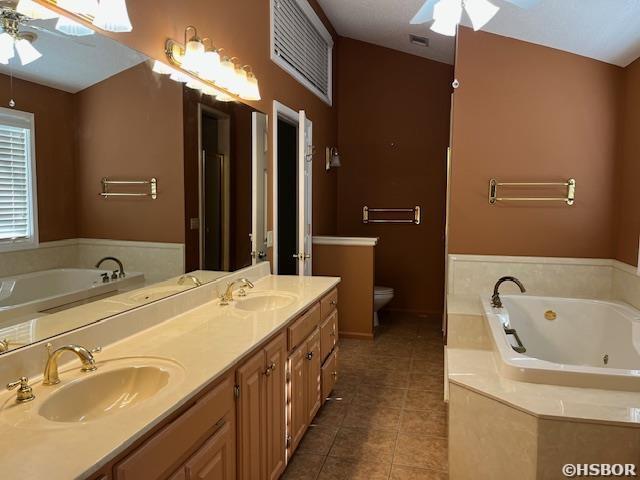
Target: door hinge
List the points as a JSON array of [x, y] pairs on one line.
[[236, 391], [288, 441], [287, 375]]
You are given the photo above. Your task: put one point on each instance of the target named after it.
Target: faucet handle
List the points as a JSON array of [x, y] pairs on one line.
[[96, 350], [25, 392]]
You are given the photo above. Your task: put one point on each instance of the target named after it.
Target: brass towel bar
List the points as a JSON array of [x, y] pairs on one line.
[[569, 199], [152, 184], [416, 211]]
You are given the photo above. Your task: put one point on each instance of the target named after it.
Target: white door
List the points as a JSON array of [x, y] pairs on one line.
[[305, 157], [259, 183]]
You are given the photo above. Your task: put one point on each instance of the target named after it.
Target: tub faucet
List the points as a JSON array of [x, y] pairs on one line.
[[51, 369], [228, 294], [495, 298], [192, 278], [121, 273]]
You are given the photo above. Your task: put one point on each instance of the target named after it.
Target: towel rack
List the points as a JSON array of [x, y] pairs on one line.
[[569, 199], [415, 211], [151, 183]]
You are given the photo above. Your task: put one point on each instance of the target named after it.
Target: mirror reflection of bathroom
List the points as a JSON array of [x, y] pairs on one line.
[[96, 151]]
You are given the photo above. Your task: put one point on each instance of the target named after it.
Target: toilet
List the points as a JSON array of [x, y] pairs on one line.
[[381, 297]]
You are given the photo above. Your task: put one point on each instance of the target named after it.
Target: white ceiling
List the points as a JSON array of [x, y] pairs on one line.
[[72, 63], [607, 30]]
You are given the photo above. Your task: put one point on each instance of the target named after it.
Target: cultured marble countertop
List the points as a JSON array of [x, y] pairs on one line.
[[205, 343], [477, 371]]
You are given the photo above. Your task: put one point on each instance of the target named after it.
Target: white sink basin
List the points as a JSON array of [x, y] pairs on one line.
[[264, 301], [107, 392]]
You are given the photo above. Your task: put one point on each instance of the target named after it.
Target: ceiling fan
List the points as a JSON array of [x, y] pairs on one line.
[[447, 14]]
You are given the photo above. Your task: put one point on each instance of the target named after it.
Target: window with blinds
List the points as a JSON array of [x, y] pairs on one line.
[[17, 180], [302, 45]]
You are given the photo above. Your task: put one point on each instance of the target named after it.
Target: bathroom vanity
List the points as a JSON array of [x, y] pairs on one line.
[[208, 392]]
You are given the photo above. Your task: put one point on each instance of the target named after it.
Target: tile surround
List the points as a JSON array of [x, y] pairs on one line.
[[158, 261]]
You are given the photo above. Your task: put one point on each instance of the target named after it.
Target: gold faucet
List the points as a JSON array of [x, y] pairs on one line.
[[51, 369], [25, 393], [228, 294], [195, 280]]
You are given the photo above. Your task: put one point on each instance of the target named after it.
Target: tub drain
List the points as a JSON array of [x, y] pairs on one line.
[[605, 359]]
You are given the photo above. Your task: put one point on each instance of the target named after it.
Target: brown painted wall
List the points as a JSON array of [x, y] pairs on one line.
[[242, 29], [628, 169], [355, 265], [54, 125], [393, 135], [524, 112], [130, 127]]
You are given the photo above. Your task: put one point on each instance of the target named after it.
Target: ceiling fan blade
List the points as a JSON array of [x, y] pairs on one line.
[[425, 14], [523, 3]]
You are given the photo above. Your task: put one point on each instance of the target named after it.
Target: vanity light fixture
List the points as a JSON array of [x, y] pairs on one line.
[[205, 63]]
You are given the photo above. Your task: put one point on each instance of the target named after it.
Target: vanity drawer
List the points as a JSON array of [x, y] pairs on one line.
[[329, 374], [328, 335], [303, 327], [172, 445], [329, 303]]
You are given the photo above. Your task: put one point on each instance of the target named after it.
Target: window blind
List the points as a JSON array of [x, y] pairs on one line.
[[298, 43], [15, 184]]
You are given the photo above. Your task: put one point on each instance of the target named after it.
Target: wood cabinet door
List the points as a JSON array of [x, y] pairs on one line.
[[297, 397], [276, 356], [251, 432], [313, 364], [216, 459]]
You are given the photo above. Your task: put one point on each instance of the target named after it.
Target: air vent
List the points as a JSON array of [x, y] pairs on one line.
[[302, 45], [418, 40]]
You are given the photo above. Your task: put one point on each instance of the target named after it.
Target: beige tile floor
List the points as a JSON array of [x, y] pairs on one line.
[[386, 418]]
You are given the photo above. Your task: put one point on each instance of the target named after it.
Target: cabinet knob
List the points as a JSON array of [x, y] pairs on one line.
[[334, 302], [270, 369], [309, 355]]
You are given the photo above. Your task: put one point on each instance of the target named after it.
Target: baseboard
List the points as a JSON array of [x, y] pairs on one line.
[[356, 335]]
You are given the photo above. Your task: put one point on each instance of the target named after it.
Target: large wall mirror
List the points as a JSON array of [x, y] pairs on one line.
[[114, 181]]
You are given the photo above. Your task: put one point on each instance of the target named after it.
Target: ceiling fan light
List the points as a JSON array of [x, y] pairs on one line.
[[444, 28], [6, 47], [480, 12], [34, 10], [448, 11], [113, 16], [26, 51], [81, 7], [72, 28]]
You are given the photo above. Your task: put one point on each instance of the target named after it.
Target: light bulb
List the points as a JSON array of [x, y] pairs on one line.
[[34, 10], [480, 12], [6, 47], [239, 80], [207, 90], [194, 56], [227, 74], [113, 16], [161, 68], [210, 65], [447, 15], [73, 28], [252, 90], [26, 51], [81, 7]]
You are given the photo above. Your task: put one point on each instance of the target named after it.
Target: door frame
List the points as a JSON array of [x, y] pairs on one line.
[[258, 176], [224, 133], [280, 111]]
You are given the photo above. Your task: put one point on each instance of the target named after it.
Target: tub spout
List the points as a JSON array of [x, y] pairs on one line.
[[496, 302]]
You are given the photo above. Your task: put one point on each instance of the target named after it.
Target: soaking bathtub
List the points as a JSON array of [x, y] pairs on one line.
[[566, 341], [23, 294]]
